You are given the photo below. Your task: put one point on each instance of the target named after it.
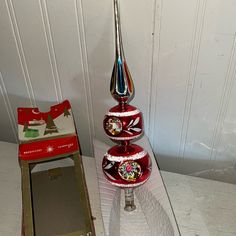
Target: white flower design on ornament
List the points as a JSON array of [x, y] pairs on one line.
[[131, 126]]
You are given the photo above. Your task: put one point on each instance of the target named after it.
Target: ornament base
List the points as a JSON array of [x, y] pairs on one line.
[[129, 200], [153, 214]]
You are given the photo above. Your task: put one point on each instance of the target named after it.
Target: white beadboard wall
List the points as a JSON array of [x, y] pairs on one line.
[[182, 56]]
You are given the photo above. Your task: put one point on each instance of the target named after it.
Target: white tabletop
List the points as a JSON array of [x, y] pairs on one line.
[[202, 207]]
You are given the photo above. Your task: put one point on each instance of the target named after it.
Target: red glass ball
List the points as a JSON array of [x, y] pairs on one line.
[[126, 166], [123, 125]]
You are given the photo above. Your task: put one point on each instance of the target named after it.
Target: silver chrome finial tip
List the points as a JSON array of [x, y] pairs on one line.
[[121, 85]]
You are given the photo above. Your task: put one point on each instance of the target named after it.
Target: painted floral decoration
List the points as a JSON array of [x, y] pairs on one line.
[[114, 126], [130, 171]]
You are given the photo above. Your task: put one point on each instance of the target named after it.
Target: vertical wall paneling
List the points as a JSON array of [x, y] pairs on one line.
[[174, 35], [7, 115], [223, 162], [65, 21], [215, 57], [51, 50], [224, 100], [31, 30], [86, 76], [156, 36], [223, 158], [20, 52], [193, 65], [98, 25], [15, 85]]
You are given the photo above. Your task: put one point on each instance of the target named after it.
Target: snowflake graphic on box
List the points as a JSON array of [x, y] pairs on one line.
[[50, 149]]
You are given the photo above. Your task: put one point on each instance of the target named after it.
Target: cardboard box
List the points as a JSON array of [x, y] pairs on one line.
[[55, 197]]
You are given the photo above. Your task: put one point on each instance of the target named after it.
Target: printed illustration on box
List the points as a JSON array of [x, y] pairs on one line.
[[33, 124], [54, 193], [126, 165]]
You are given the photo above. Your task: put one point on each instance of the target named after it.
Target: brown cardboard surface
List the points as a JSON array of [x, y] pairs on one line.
[[57, 205]]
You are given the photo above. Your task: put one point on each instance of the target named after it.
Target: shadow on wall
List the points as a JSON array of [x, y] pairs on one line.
[[224, 172]]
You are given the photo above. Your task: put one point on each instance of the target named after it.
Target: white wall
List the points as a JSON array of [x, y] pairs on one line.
[[181, 55]]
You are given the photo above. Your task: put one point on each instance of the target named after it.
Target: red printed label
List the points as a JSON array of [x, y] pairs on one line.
[[48, 148]]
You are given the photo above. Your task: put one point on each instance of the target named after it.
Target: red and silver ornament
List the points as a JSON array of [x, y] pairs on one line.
[[125, 165]]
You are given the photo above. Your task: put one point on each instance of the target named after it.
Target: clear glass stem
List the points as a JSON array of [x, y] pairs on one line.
[[129, 199]]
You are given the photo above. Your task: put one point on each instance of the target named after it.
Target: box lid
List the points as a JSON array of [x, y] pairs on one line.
[[34, 125]]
